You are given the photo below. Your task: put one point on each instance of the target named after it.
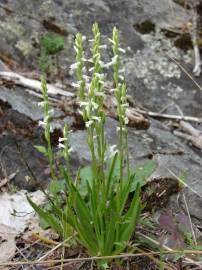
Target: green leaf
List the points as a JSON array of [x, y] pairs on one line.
[[47, 217], [142, 173], [86, 175], [113, 162], [41, 149], [57, 186], [132, 216]]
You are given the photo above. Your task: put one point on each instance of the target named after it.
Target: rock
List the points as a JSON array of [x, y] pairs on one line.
[[17, 211], [27, 21], [173, 157], [7, 244], [153, 80]]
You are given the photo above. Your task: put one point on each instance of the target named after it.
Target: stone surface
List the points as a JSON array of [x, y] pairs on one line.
[[174, 158], [153, 80]]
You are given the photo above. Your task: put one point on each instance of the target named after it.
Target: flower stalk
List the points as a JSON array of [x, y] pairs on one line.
[[47, 127]]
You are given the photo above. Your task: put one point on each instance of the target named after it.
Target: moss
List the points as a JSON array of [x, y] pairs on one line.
[[52, 43]]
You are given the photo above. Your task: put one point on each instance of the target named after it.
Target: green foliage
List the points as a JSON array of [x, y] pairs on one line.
[[51, 44], [94, 204], [142, 173]]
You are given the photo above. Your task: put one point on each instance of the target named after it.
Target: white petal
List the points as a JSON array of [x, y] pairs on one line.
[[75, 85], [95, 105], [70, 150], [103, 46], [122, 50], [88, 123], [42, 124], [61, 145], [74, 66], [83, 103], [96, 118], [62, 139], [41, 104], [111, 40]]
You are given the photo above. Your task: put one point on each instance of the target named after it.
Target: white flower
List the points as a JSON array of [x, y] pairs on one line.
[[41, 104], [100, 94], [76, 50], [62, 139], [118, 129], [114, 59], [90, 60], [96, 55], [89, 123], [107, 65], [121, 77], [113, 90], [83, 103], [96, 118], [84, 38], [111, 40], [75, 85], [102, 64], [70, 150], [84, 70], [126, 120], [101, 82], [122, 50], [51, 128], [113, 150], [99, 75], [42, 124], [86, 77], [51, 111], [46, 118], [61, 145], [103, 46], [124, 105], [91, 69], [74, 66], [95, 105]]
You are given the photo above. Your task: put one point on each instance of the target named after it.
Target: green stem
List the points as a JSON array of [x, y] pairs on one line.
[[127, 153]]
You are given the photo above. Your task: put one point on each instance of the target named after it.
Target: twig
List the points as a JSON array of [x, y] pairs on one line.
[[170, 116], [21, 253], [156, 260], [190, 221], [167, 248], [185, 71], [4, 181], [32, 84], [96, 258], [183, 183], [55, 248]]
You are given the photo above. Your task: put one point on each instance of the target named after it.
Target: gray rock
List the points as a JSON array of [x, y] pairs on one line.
[[174, 158], [152, 78]]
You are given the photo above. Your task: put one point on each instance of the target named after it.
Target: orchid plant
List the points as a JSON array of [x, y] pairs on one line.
[[99, 217]]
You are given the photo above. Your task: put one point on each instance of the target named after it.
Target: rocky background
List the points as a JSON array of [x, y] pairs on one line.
[[152, 32]]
